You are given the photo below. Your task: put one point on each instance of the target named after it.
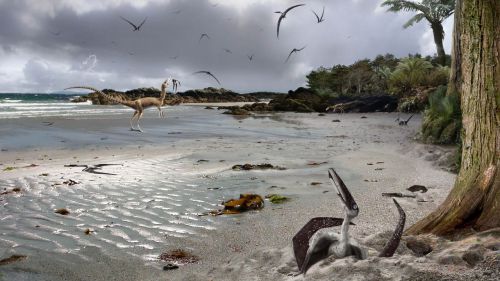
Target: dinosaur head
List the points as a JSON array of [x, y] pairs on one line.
[[164, 85]]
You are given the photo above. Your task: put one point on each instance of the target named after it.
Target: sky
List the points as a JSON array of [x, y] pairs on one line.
[[49, 45]]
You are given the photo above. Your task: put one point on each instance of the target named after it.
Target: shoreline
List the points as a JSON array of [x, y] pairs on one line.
[[348, 146]]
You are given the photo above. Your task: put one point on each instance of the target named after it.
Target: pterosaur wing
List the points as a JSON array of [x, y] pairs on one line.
[[393, 243], [131, 23], [142, 22], [301, 239]]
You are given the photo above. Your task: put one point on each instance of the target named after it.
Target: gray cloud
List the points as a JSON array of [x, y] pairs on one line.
[[46, 44]]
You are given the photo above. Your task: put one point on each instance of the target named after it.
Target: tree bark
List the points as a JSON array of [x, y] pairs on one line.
[[474, 201], [438, 32]]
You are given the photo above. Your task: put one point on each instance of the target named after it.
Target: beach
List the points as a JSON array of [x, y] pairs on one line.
[[164, 180]]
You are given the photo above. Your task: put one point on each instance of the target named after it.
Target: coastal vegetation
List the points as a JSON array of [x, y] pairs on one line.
[[435, 12], [474, 202]]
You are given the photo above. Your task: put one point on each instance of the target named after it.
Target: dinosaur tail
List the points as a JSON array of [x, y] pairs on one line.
[[111, 98]]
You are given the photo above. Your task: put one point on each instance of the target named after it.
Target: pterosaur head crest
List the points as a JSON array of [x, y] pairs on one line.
[[350, 205]]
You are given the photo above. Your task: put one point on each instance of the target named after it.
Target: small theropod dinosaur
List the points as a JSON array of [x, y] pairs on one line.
[[139, 104]]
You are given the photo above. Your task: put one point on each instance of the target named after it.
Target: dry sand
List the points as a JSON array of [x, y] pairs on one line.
[[163, 167]]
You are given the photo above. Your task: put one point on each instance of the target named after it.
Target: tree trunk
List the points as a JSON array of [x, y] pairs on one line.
[[438, 32], [474, 201]]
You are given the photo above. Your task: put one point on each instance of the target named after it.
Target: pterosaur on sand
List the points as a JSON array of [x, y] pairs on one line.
[[320, 19], [202, 36], [311, 246], [283, 15], [403, 122], [92, 168], [136, 27], [207, 73], [139, 104], [293, 51]]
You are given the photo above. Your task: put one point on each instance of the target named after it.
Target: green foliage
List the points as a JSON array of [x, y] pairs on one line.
[[442, 118], [431, 10], [410, 73]]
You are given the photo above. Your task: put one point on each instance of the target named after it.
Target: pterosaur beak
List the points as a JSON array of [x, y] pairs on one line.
[[342, 190]]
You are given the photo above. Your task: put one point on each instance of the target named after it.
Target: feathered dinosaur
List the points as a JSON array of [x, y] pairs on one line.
[[139, 104]]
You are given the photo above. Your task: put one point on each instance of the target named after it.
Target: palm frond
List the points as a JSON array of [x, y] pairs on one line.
[[415, 19]]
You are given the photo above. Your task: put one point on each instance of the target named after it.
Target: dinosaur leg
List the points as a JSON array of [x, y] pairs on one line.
[[160, 112], [139, 118], [132, 119]]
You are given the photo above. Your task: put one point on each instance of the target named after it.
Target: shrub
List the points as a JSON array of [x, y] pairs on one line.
[[442, 118]]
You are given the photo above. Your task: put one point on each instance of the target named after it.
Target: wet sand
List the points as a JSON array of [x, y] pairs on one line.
[[153, 203]]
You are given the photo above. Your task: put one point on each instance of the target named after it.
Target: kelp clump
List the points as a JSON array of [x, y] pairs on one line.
[[246, 202]]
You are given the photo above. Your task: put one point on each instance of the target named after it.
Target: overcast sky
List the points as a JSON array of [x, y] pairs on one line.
[[48, 45]]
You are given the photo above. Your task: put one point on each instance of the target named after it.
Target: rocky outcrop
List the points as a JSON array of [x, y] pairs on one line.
[[307, 100], [191, 96], [265, 95]]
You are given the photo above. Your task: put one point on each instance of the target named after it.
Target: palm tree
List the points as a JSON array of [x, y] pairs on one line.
[[434, 11]]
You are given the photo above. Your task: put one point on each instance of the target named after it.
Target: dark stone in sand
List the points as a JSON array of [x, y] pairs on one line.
[[335, 120], [473, 257], [247, 167], [170, 266], [363, 117], [62, 211], [418, 247], [415, 188], [321, 114], [397, 194], [237, 111]]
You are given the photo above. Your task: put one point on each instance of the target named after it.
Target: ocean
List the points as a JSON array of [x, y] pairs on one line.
[[51, 105]]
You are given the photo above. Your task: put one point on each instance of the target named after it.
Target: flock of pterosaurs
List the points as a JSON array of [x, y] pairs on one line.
[[311, 244]]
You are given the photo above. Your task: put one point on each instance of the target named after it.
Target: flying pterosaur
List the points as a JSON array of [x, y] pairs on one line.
[[228, 51], [136, 27], [293, 51], [250, 57], [320, 19], [208, 73], [92, 168], [203, 35], [282, 16], [175, 84], [311, 245]]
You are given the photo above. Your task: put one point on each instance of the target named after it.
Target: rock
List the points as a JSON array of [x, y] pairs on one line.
[[70, 182], [336, 120], [247, 167], [415, 188], [418, 247], [191, 96], [170, 266], [398, 194], [12, 259], [237, 111], [62, 211], [473, 257], [450, 259], [264, 95], [179, 256]]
